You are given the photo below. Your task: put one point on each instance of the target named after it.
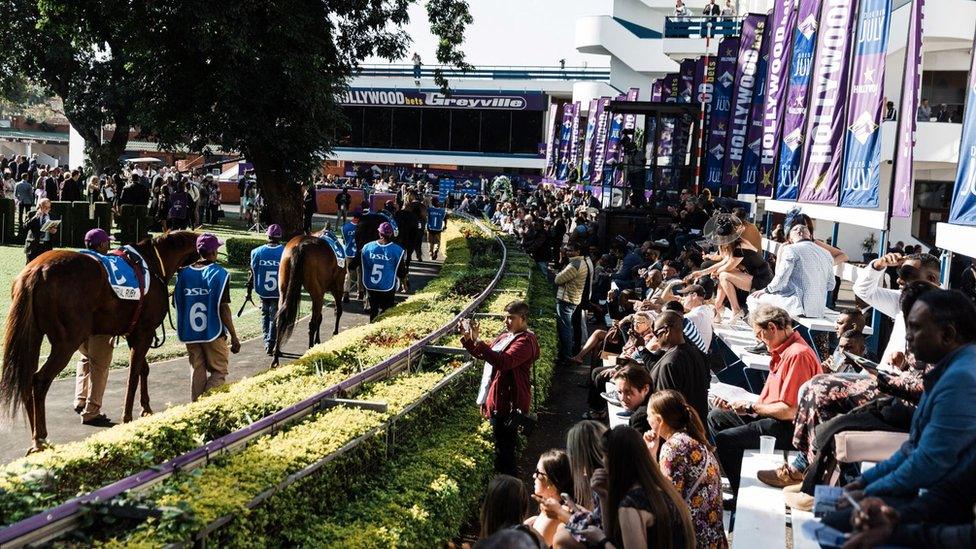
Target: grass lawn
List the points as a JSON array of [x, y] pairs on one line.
[[248, 324]]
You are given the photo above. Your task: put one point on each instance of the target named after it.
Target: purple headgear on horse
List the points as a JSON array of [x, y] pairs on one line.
[[208, 243], [274, 231], [96, 237], [386, 230]]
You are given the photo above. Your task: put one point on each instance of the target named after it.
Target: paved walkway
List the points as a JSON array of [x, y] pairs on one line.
[[169, 381]]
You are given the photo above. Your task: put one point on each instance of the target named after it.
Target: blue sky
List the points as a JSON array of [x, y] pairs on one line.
[[514, 32]]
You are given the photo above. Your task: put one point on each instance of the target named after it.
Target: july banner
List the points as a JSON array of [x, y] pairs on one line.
[[750, 181], [743, 88], [588, 138], [728, 54], [782, 24], [565, 131], [687, 72], [615, 123], [795, 106], [822, 150], [963, 209], [574, 144], [901, 205], [600, 141], [551, 141], [656, 90], [861, 178], [630, 122]]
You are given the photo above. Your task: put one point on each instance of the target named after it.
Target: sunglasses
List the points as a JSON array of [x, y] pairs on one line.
[[539, 474], [660, 331]]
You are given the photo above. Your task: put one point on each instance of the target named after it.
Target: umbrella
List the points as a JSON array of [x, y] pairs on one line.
[[145, 160]]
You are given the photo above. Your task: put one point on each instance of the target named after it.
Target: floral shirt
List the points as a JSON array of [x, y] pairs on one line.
[[695, 473]]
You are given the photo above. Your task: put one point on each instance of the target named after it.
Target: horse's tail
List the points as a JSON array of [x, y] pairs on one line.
[[291, 280], [22, 347]]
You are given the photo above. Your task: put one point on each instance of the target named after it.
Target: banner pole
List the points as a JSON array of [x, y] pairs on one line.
[[701, 113]]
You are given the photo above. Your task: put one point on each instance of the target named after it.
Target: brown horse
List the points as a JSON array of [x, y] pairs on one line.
[[65, 296], [310, 262]]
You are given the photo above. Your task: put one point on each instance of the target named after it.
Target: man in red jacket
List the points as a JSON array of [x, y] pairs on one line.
[[506, 389]]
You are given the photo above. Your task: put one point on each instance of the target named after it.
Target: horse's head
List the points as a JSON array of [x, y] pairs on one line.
[[176, 250]]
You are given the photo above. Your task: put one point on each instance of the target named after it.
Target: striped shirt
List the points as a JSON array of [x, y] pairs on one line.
[[693, 336]]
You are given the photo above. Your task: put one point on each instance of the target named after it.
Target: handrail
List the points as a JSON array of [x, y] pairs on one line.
[[488, 72], [702, 26], [54, 522]]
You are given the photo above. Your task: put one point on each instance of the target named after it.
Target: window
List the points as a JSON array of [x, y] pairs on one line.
[[351, 136], [377, 129], [465, 130], [436, 130], [406, 128], [526, 131], [496, 128]]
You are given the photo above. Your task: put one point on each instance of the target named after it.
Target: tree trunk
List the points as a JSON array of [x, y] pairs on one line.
[[282, 194]]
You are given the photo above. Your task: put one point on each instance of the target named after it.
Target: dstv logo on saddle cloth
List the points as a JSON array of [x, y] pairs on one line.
[[267, 263], [197, 291]]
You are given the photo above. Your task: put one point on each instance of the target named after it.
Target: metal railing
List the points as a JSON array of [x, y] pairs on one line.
[[489, 72], [68, 516], [701, 26]]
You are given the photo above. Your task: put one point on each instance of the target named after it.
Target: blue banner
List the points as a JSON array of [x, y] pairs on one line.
[[728, 54], [861, 176], [963, 210], [751, 155]]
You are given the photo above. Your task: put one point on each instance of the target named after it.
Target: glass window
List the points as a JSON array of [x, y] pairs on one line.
[[352, 134], [377, 129], [496, 127], [526, 131], [406, 128], [465, 130], [435, 130]]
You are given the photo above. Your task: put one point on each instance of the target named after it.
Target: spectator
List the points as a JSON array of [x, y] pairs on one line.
[[506, 505], [943, 114], [570, 283], [179, 208], [69, 190], [688, 328], [924, 111], [308, 208], [552, 477], [728, 10], [890, 112], [634, 387], [682, 367], [641, 507], [804, 274], [697, 311], [507, 396], [134, 193], [417, 63], [24, 196], [687, 461], [213, 206], [623, 278], [39, 239], [738, 425], [681, 12], [93, 189], [711, 9]]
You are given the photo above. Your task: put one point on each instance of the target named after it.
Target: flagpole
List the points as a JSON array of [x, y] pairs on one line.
[[897, 149], [701, 113]]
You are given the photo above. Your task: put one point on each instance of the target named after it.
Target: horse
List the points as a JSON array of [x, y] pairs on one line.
[[409, 238], [66, 296], [310, 262], [419, 210]]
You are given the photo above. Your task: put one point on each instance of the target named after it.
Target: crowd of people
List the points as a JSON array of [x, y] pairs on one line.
[[643, 318]]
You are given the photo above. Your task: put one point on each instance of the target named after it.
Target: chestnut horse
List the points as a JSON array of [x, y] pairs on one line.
[[310, 262], [65, 296]]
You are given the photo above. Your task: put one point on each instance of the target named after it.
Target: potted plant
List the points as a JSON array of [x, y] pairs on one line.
[[870, 244]]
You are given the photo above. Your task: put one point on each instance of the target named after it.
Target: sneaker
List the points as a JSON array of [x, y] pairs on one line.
[[624, 413], [611, 398], [98, 421], [79, 409], [780, 477], [799, 501]]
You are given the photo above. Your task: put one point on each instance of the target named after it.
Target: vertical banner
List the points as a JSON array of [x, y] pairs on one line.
[[904, 155], [565, 132], [750, 179], [672, 82], [963, 209], [616, 122], [574, 144], [861, 177], [551, 141], [745, 84], [630, 122], [728, 53], [797, 94], [822, 150], [705, 76], [687, 87], [588, 137], [656, 90], [600, 141], [780, 37]]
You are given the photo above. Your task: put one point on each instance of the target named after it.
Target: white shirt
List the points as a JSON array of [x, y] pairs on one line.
[[888, 302], [701, 316]]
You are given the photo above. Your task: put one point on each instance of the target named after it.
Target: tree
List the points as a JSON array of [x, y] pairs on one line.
[[74, 50], [262, 77]]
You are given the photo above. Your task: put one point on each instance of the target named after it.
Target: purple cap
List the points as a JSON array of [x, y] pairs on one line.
[[386, 229], [274, 231], [208, 243], [96, 237], [358, 213]]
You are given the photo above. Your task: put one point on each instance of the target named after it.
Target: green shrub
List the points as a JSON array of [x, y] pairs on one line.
[[239, 250]]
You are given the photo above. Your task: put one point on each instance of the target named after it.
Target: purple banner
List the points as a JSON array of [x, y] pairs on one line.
[[501, 100], [656, 90], [565, 138], [574, 144], [551, 142], [630, 122], [728, 54], [780, 38], [669, 93], [823, 148], [750, 182], [904, 156], [687, 72], [600, 143], [745, 84], [705, 77], [588, 137]]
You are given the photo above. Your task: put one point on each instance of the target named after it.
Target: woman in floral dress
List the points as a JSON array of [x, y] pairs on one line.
[[677, 439]]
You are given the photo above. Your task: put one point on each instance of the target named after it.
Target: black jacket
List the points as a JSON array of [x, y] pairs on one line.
[[134, 194], [684, 369], [33, 246]]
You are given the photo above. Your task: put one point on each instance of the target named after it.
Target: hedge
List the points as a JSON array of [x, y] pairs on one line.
[[239, 250], [32, 484]]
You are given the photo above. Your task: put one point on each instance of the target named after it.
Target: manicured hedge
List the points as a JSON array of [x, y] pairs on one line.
[[37, 482], [239, 250]]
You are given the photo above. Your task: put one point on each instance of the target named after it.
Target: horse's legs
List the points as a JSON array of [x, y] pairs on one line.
[[316, 321], [144, 389], [61, 352], [336, 295], [137, 358]]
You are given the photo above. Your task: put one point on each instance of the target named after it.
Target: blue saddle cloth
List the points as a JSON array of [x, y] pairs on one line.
[[391, 220], [121, 276], [336, 246]]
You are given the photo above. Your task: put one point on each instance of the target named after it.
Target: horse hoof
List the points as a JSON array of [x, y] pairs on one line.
[[39, 446], [126, 419], [147, 412]]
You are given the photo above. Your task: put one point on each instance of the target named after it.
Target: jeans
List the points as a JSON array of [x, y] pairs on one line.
[[269, 311], [564, 327], [544, 267], [734, 433], [580, 332]]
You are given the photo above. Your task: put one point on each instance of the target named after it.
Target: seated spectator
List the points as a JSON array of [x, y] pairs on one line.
[[506, 505], [804, 275], [584, 448], [682, 367], [634, 387], [687, 461], [641, 508], [637, 330], [688, 328], [552, 478], [698, 312], [623, 278], [750, 233], [738, 266], [737, 426]]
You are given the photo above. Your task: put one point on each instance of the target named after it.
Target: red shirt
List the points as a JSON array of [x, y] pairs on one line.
[[793, 363], [509, 388]]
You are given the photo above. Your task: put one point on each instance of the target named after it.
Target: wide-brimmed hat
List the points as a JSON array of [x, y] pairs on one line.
[[723, 228]]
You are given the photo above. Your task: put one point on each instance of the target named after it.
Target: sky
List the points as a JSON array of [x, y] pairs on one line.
[[513, 33]]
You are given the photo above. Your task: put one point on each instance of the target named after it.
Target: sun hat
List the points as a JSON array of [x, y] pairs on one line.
[[723, 228]]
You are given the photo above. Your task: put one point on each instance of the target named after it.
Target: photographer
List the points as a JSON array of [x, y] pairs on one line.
[[506, 392]]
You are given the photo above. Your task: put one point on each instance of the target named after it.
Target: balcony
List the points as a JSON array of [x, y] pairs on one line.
[[488, 72], [935, 142], [639, 47]]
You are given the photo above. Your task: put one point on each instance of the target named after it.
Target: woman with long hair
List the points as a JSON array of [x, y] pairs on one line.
[[506, 505], [677, 440], [552, 478], [641, 508], [584, 450]]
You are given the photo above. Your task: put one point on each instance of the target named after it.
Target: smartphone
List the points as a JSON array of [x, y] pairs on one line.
[[566, 500], [862, 363]]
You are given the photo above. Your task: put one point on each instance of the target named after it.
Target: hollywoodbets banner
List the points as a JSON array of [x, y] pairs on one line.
[[687, 86], [782, 23], [822, 150], [749, 182], [599, 141], [613, 140], [745, 84], [630, 122], [705, 77], [728, 53], [588, 141], [963, 209], [861, 177], [795, 106], [551, 142], [904, 146], [574, 143], [672, 85], [565, 136]]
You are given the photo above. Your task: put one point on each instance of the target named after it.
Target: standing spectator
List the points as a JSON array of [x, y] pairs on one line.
[[9, 183], [924, 111], [417, 63], [179, 208], [134, 193], [202, 299], [308, 208], [890, 112], [93, 189], [69, 190], [50, 186], [193, 210], [342, 202], [569, 292], [508, 393], [159, 208], [681, 11], [711, 9], [39, 240], [24, 195], [728, 10], [108, 192], [213, 203]]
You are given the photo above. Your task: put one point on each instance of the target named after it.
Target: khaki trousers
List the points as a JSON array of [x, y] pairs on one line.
[[91, 374], [208, 363], [352, 279]]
